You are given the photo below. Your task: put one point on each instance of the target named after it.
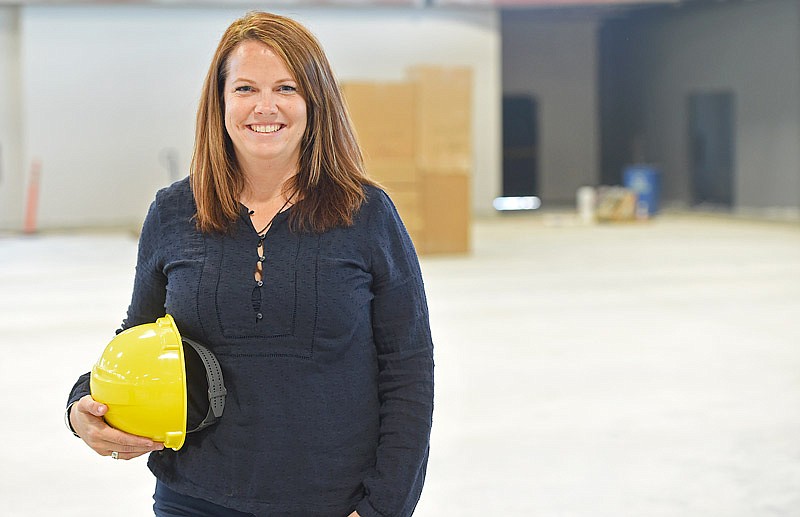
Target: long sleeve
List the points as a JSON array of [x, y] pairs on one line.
[[405, 369], [147, 302]]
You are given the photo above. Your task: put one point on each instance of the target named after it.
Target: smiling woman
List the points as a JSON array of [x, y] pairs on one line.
[[326, 350]]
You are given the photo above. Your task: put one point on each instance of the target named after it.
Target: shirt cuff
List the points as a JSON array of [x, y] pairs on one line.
[[67, 422]]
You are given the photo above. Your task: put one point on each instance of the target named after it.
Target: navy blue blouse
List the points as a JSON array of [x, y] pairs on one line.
[[328, 360]]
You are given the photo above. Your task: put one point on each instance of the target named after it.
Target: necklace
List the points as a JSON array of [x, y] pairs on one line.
[[263, 232]]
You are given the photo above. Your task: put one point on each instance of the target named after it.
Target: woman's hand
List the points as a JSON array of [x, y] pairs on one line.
[[86, 417]]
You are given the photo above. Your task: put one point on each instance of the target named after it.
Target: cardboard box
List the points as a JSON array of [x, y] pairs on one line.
[[408, 201], [417, 142], [383, 116], [615, 204], [400, 173], [446, 213], [443, 104]]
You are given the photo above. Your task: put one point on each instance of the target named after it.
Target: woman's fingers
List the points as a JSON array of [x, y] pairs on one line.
[[86, 416], [126, 445]]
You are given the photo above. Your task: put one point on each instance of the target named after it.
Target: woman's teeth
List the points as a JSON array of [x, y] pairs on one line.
[[269, 128]]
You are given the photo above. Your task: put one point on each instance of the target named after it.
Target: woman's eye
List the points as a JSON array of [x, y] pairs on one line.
[[243, 89], [286, 88]]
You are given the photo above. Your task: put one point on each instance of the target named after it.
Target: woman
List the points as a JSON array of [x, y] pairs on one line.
[[279, 255]]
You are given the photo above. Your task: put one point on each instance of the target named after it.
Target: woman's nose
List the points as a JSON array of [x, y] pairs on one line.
[[266, 104]]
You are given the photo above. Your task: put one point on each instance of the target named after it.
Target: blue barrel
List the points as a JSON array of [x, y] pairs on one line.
[[645, 180]]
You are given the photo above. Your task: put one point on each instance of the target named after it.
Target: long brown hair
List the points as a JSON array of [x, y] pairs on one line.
[[330, 179]]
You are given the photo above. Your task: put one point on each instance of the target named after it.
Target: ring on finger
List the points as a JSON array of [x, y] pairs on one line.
[[114, 455]]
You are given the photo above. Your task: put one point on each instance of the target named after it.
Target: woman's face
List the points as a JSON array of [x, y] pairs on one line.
[[265, 115]]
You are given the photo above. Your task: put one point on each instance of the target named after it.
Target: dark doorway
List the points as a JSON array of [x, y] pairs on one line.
[[711, 147], [520, 136]]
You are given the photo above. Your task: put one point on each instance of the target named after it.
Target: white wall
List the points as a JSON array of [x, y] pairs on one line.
[[555, 59], [109, 90], [11, 170], [751, 49]]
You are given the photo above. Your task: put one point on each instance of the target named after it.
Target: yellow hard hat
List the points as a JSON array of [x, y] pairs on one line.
[[150, 382]]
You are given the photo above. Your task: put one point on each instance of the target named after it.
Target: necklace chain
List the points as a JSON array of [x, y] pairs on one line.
[[263, 231]]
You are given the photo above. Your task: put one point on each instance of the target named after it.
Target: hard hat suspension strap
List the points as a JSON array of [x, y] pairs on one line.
[[216, 385]]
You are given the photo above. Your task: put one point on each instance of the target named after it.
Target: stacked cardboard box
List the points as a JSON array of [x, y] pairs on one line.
[[417, 141], [384, 117]]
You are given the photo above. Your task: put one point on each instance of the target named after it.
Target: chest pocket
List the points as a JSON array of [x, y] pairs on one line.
[[274, 317]]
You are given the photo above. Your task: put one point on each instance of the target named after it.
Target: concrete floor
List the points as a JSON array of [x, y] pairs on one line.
[[629, 370]]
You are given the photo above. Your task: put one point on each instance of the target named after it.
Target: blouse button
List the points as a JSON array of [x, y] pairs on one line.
[[262, 258], [259, 316], [259, 283]]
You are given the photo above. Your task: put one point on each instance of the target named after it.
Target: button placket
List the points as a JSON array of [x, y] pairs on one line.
[[259, 270], [259, 278]]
